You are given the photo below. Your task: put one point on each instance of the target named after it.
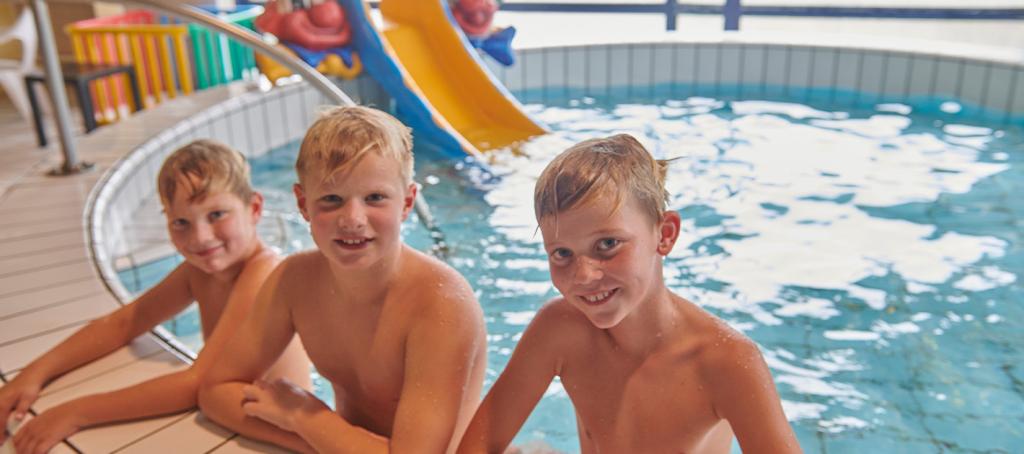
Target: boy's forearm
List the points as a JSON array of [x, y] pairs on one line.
[[222, 402], [327, 431], [482, 433], [94, 341], [163, 395]]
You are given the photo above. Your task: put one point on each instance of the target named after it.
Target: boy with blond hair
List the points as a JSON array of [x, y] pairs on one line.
[[647, 370], [398, 334], [212, 212]]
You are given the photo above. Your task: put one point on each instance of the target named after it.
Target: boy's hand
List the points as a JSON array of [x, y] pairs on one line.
[[45, 431], [280, 403], [15, 399]]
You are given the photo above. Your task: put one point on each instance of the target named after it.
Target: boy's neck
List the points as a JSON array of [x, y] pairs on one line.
[[367, 284], [654, 322]]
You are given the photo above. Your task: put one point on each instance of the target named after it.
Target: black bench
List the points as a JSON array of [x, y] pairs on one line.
[[78, 76]]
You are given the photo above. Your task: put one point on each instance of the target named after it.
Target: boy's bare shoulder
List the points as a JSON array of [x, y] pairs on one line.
[[431, 282], [303, 261], [561, 326], [720, 350], [260, 265], [559, 313], [296, 270]]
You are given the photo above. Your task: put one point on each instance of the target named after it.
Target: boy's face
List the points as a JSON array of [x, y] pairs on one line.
[[356, 216], [607, 264], [213, 233]]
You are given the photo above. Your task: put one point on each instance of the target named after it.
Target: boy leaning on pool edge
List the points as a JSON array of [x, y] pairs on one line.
[[398, 334], [646, 370], [212, 212]]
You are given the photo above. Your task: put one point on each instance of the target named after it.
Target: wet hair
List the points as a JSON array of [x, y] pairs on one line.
[[204, 166], [344, 135], [614, 167]]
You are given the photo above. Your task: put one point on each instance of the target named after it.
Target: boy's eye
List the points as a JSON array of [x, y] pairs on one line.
[[607, 244], [215, 215], [331, 198], [561, 254], [179, 224], [375, 197]]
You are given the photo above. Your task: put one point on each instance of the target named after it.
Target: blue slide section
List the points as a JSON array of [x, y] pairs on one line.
[[382, 65]]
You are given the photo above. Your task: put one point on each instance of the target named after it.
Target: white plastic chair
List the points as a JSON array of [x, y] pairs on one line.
[[12, 72]]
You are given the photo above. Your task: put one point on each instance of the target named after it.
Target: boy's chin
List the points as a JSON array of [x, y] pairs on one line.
[[351, 259], [208, 267], [604, 322]]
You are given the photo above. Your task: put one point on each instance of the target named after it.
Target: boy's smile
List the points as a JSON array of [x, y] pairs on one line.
[[209, 251], [353, 243], [599, 298]]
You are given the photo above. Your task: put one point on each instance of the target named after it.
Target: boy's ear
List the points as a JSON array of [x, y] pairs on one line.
[[668, 230], [409, 200], [256, 203], [300, 200]]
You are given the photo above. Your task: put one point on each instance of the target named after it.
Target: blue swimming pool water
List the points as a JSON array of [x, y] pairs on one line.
[[873, 254]]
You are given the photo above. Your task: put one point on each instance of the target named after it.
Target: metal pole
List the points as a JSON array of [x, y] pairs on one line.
[[732, 14], [671, 13], [58, 98]]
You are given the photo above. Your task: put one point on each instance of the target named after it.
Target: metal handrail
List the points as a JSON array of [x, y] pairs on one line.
[[731, 11]]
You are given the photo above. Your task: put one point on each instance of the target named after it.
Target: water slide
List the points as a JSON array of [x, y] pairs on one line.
[[440, 86]]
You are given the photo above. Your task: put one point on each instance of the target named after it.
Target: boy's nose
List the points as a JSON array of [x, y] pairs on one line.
[[353, 216], [587, 270], [202, 233]]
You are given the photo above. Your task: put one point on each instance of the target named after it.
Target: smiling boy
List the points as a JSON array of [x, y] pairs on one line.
[[212, 212], [647, 370], [398, 334]]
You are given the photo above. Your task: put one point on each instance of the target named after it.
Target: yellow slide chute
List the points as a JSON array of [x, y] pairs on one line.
[[442, 67]]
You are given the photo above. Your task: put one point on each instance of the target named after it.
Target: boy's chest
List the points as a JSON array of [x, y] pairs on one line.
[[359, 353], [211, 299], [651, 408]]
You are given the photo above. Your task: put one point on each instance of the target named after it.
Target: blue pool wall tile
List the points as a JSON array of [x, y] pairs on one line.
[[858, 77]]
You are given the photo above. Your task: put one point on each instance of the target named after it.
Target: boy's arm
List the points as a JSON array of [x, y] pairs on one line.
[[744, 394], [98, 338], [534, 363], [439, 368], [162, 395], [247, 355]]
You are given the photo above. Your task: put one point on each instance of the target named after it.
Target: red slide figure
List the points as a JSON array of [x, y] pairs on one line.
[[475, 16], [321, 27]]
